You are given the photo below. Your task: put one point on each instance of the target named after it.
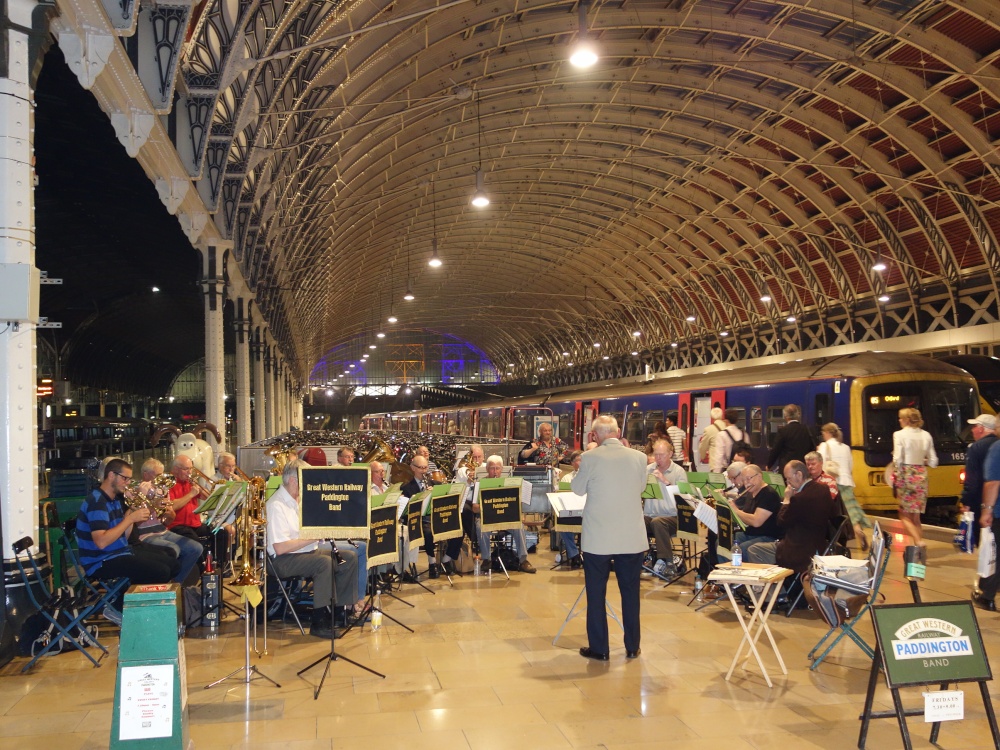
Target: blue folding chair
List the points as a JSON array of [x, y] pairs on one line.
[[64, 610], [106, 591], [879, 566]]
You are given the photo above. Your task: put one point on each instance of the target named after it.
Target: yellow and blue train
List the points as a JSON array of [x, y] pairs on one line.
[[862, 393]]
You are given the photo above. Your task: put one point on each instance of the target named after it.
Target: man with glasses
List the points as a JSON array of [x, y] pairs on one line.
[[661, 515], [185, 496], [760, 513], [102, 529]]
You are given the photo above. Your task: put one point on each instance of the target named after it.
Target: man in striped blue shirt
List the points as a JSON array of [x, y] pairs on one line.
[[102, 529]]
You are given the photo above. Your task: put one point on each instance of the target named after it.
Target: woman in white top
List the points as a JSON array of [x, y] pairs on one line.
[[912, 453], [832, 449]]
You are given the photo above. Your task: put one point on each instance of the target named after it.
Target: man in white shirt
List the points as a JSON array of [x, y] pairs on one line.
[[292, 556], [661, 515], [494, 467]]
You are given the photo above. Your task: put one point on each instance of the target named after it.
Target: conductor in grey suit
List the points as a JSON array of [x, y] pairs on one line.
[[613, 477]]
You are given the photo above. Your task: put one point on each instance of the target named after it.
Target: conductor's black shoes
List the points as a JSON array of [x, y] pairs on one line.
[[633, 654], [588, 654], [982, 602]]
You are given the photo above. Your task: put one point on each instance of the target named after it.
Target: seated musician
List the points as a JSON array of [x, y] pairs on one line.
[[345, 457], [153, 530], [545, 449], [759, 512], [470, 512], [734, 489], [423, 450], [226, 468], [568, 538], [292, 556], [494, 468], [185, 496], [661, 515], [102, 529], [453, 547], [803, 519]]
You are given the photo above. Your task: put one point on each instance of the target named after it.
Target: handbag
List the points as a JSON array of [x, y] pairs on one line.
[[987, 553]]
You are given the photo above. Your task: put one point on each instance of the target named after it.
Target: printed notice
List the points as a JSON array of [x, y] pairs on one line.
[[147, 702], [944, 705]]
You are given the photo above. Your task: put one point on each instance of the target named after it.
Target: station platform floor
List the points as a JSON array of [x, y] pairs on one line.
[[481, 672]]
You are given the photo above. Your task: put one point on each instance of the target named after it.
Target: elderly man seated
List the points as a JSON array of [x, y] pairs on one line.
[[292, 556], [494, 466], [661, 515]]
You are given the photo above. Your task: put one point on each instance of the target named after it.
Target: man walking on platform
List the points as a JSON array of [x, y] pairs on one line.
[[613, 479]]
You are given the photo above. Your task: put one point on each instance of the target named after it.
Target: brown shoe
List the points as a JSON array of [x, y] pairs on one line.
[[526, 567]]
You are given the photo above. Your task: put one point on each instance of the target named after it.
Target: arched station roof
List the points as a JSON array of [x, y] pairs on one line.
[[727, 177]]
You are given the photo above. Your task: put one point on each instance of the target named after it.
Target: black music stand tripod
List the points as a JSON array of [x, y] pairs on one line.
[[370, 606], [333, 655]]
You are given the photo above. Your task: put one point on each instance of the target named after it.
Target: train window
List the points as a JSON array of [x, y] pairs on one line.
[[522, 427], [948, 408], [775, 420], [741, 416], [633, 428], [755, 427], [619, 417], [652, 417], [882, 404], [822, 404], [489, 423], [465, 422], [566, 428], [684, 417]]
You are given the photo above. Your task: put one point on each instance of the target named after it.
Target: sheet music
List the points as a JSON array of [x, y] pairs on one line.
[[567, 504], [707, 515]]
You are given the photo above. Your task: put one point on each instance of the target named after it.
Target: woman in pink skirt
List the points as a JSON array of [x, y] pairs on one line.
[[912, 453]]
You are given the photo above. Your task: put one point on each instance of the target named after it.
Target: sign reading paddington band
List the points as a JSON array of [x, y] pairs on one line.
[[446, 521], [500, 507], [334, 502], [383, 541], [930, 643]]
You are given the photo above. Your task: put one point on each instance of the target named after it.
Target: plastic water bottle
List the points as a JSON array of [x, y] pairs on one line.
[[737, 556], [698, 585], [479, 566], [376, 615]]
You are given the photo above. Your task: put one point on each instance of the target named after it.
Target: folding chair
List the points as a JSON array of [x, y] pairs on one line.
[[63, 609], [105, 591], [879, 561], [836, 529]]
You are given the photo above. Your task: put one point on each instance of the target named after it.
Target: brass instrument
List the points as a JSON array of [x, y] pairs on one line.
[[247, 574], [134, 498], [203, 478], [280, 455], [383, 453], [470, 465], [257, 507]]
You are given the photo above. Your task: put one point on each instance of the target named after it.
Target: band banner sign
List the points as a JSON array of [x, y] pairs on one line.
[[935, 643], [414, 519], [687, 524], [725, 547], [500, 508], [383, 539], [446, 521], [334, 502]]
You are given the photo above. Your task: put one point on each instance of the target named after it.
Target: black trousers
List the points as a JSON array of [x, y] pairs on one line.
[[989, 585], [215, 542], [146, 564], [452, 547], [596, 570]]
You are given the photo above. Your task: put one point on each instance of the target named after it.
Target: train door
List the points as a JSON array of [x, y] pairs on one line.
[[701, 411], [577, 425], [589, 415]]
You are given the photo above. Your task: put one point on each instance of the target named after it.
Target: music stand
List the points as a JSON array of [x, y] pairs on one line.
[[248, 668], [333, 503], [333, 655], [573, 613]]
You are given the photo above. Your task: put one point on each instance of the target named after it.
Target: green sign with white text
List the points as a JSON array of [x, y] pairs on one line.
[[930, 643]]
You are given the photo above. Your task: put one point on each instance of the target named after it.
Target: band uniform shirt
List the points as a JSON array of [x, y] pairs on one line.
[[186, 516], [668, 505], [283, 522], [613, 478], [99, 513]]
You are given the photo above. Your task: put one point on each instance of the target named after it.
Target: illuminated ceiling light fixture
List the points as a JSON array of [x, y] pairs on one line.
[[584, 53], [674, 344], [765, 298], [435, 261], [790, 318], [879, 264], [372, 346], [480, 199], [690, 318], [380, 335], [597, 345], [636, 334], [409, 291], [883, 298]]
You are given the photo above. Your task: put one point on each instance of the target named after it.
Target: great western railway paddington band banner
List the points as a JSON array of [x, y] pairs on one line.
[[414, 519], [446, 520], [500, 508], [334, 502], [383, 539]]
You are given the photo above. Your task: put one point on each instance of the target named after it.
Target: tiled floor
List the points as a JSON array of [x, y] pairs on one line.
[[480, 672]]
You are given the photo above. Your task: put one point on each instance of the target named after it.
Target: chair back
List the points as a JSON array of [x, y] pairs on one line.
[[22, 551]]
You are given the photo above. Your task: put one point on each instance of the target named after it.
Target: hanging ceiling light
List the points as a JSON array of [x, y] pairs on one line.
[[584, 53], [435, 261], [479, 198], [409, 291], [879, 264]]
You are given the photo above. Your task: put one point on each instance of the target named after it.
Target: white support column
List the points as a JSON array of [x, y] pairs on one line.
[[279, 393], [214, 287], [269, 430], [259, 396], [24, 31], [242, 395], [300, 418]]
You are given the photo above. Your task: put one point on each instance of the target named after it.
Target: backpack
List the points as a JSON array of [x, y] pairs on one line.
[[737, 445]]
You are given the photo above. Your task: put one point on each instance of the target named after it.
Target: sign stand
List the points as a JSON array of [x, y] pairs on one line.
[[925, 644]]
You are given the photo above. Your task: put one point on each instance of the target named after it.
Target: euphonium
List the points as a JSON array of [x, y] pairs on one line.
[[247, 574]]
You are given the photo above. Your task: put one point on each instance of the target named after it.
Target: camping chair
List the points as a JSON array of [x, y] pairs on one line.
[[63, 609], [105, 591], [836, 529], [878, 561]]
